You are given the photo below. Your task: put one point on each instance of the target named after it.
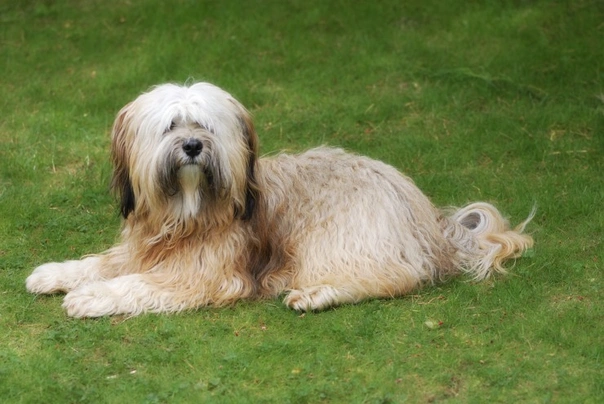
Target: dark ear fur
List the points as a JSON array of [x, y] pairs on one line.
[[252, 190], [127, 200], [120, 151]]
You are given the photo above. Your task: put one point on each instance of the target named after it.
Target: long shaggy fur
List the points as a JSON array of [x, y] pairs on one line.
[[207, 223]]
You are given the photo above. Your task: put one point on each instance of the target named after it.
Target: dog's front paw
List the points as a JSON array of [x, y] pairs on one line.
[[91, 300], [64, 276], [46, 279]]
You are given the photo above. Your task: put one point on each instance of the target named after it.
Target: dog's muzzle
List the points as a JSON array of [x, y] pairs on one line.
[[192, 147]]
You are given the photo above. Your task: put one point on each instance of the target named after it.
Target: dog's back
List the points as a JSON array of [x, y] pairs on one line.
[[348, 227]]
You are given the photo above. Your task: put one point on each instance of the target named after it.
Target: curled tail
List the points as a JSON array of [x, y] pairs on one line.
[[484, 240]]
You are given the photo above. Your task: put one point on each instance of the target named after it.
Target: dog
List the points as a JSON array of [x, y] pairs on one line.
[[206, 222]]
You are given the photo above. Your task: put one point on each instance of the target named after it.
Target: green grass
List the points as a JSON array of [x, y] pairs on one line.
[[480, 100]]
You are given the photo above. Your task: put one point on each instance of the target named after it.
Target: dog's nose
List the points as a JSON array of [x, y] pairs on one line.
[[192, 147]]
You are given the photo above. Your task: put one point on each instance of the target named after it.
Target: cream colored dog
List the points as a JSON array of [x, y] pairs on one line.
[[207, 223]]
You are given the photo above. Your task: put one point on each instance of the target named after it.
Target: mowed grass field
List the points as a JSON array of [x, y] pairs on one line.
[[501, 101]]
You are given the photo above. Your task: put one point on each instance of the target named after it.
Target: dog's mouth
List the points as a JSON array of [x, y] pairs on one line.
[[191, 162]]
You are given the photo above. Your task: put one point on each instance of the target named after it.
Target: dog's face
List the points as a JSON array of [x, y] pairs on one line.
[[180, 150]]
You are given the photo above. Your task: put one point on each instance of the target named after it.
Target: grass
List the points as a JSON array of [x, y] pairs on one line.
[[479, 100]]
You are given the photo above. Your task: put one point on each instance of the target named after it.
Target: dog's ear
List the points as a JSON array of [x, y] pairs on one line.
[[121, 184], [252, 188]]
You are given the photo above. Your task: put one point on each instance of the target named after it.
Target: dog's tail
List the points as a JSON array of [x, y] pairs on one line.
[[483, 239]]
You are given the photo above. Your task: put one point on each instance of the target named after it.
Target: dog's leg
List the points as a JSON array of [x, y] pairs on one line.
[[128, 294], [56, 277], [147, 293], [319, 297]]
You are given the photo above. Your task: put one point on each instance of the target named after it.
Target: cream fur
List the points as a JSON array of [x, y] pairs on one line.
[[215, 225]]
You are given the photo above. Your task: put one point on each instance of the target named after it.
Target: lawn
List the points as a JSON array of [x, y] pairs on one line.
[[501, 101]]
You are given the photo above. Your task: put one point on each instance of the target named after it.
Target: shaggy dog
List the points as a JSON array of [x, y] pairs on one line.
[[206, 222]]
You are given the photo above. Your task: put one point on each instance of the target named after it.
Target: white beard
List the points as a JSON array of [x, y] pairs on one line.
[[191, 181]]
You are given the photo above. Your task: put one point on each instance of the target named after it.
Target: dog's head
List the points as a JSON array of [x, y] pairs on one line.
[[183, 149]]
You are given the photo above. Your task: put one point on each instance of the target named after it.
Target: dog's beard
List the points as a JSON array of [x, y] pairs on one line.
[[190, 184], [178, 172], [184, 184]]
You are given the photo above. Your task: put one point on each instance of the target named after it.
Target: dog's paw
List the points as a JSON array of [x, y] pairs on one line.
[[92, 300], [312, 298], [46, 279], [63, 276]]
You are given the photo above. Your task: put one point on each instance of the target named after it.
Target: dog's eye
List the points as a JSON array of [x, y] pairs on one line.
[[205, 127], [170, 128]]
